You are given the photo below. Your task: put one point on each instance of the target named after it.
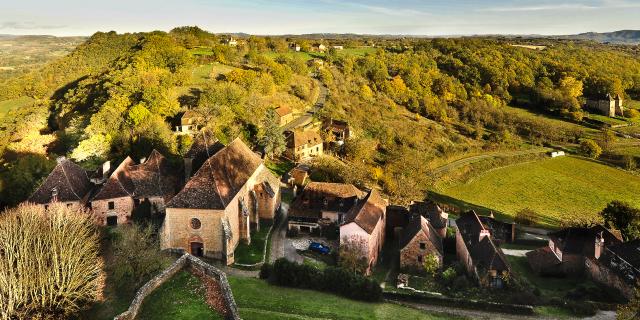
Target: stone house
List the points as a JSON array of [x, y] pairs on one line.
[[284, 114], [568, 249], [214, 211], [151, 183], [295, 47], [298, 177], [67, 183], [303, 145], [365, 223], [188, 122], [438, 219], [501, 232], [322, 203], [340, 131], [476, 250], [618, 267], [419, 239], [318, 47], [608, 106]]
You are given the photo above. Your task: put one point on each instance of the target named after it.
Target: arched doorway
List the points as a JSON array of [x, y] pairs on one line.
[[196, 246]]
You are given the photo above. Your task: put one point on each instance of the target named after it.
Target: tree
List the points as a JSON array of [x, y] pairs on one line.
[[632, 113], [137, 255], [49, 263], [590, 148], [353, 254], [271, 136], [630, 311], [607, 139], [622, 216], [431, 264]]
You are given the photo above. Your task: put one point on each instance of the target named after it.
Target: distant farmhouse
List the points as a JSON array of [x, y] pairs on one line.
[[360, 215], [608, 105], [478, 252], [284, 115], [188, 122], [304, 144], [231, 192]]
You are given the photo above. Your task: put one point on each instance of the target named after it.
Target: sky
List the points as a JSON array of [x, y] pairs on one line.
[[262, 17]]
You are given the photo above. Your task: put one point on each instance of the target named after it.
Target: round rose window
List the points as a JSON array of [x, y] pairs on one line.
[[195, 223]]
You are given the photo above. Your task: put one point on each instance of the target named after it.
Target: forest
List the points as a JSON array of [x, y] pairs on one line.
[[411, 102]]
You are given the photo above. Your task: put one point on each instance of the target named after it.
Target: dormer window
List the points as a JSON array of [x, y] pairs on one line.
[[54, 194]]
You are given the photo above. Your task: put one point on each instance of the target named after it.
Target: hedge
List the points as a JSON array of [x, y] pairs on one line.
[[331, 279]]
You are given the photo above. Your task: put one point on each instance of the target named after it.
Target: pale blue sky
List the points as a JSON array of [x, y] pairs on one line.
[[426, 17]]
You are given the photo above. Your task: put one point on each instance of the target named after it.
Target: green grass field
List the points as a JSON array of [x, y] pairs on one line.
[[555, 122], [287, 303], [8, 105], [202, 73], [181, 297], [558, 189], [252, 253]]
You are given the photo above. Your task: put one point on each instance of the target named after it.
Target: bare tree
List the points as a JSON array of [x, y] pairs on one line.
[[353, 254], [49, 262]]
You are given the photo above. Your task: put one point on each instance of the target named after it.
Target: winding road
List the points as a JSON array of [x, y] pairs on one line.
[[477, 158], [307, 117]]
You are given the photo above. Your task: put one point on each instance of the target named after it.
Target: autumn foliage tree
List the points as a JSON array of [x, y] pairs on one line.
[[49, 263], [353, 254]]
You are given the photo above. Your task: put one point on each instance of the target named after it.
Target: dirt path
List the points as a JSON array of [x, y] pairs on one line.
[[472, 159], [307, 117]]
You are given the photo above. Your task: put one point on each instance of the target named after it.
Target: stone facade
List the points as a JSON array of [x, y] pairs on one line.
[[609, 106], [120, 208], [413, 254]]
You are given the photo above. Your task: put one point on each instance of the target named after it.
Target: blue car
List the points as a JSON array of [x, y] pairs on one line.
[[319, 248]]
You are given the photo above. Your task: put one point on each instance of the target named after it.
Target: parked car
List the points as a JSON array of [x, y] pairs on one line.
[[319, 248]]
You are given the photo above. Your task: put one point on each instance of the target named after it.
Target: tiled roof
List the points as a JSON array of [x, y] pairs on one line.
[[69, 180], [283, 111], [219, 179], [420, 224], [324, 196], [299, 138], [431, 211], [483, 251], [368, 212], [576, 240], [629, 251]]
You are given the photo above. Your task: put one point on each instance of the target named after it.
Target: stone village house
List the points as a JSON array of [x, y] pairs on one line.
[[303, 145], [360, 215], [419, 239], [68, 183], [152, 182], [608, 106], [478, 253], [284, 115], [231, 191]]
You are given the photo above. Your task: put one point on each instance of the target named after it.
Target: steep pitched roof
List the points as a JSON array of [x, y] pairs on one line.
[[431, 211], [629, 251], [368, 212], [469, 223], [576, 239], [219, 179], [119, 183], [70, 181], [299, 138], [485, 254], [417, 225], [324, 196]]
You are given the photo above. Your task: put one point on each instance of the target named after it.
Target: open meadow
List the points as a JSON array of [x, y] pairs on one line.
[[559, 189]]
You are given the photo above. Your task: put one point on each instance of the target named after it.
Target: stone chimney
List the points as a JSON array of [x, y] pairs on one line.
[[106, 167], [188, 167], [599, 245]]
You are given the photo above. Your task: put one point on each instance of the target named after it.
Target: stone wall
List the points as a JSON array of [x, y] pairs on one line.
[[122, 209], [186, 261]]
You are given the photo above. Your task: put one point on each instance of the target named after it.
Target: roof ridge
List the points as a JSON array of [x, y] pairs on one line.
[[64, 172]]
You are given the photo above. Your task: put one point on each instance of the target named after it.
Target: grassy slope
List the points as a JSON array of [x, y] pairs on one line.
[[287, 303], [182, 297], [556, 188], [7, 105], [250, 254]]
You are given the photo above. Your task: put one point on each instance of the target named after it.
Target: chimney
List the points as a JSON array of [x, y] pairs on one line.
[[188, 167], [106, 167], [484, 233], [599, 245], [60, 159], [143, 160]]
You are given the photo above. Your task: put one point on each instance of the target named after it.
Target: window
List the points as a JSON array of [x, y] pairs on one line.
[[195, 223], [46, 207], [69, 205], [112, 205], [420, 258], [423, 245]]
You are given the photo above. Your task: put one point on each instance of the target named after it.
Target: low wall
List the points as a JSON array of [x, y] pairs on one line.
[[185, 261]]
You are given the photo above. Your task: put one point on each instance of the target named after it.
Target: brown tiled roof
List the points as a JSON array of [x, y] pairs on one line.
[[431, 211], [324, 196], [70, 180], [299, 138], [188, 117], [119, 183], [578, 240], [420, 224], [283, 111], [368, 212], [485, 254], [469, 222], [219, 179], [629, 251]]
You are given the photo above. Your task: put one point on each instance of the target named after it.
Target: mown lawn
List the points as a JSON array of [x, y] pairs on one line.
[[558, 189], [258, 300], [181, 297], [7, 105], [205, 72], [252, 253]]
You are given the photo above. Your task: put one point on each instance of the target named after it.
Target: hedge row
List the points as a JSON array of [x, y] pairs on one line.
[[331, 279]]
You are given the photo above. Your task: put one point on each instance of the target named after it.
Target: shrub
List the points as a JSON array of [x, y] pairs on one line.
[[632, 113], [449, 275], [266, 270], [590, 148], [431, 264], [461, 283], [331, 279], [49, 263], [526, 217]]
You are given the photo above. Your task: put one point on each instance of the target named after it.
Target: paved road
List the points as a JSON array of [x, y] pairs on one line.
[[307, 117], [472, 159]]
